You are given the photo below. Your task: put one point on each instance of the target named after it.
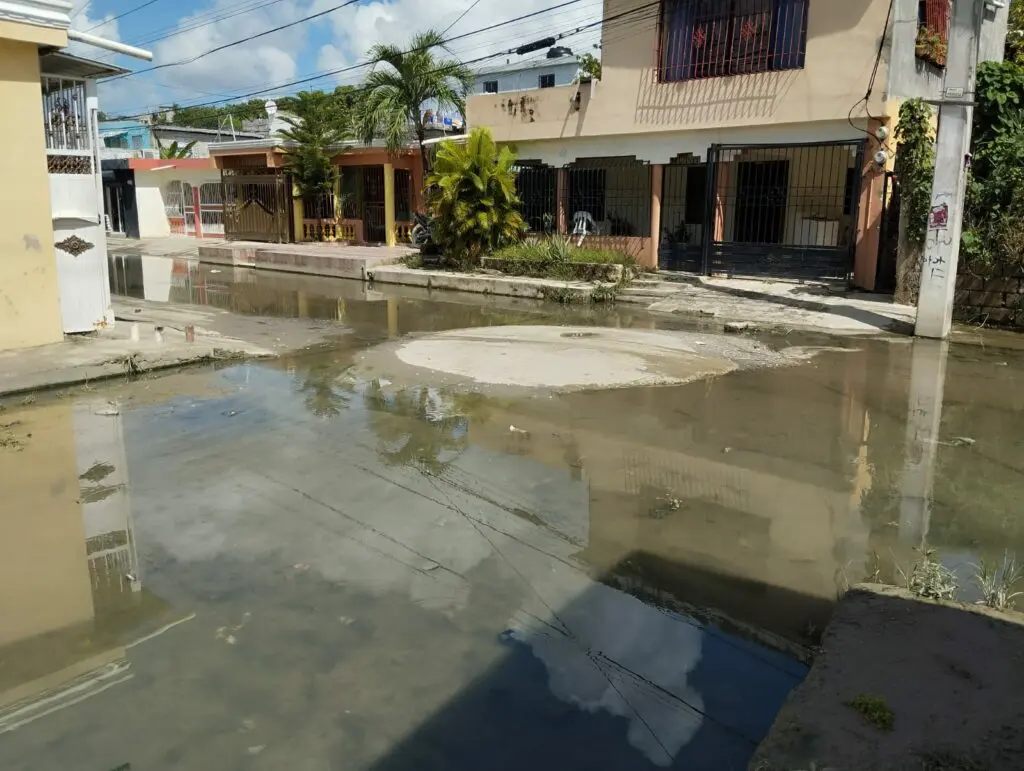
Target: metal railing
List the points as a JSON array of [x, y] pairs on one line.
[[65, 115]]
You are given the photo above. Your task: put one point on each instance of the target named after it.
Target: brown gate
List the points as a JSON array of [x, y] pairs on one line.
[[257, 205]]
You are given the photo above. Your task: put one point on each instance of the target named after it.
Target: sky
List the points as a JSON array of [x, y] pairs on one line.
[[175, 30]]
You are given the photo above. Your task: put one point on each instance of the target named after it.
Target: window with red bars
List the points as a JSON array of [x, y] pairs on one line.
[[712, 38], [933, 30]]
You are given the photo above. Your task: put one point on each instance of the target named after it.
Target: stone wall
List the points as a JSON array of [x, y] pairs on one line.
[[997, 299]]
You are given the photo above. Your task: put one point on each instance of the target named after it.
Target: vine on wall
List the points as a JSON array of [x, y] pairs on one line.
[[915, 162]]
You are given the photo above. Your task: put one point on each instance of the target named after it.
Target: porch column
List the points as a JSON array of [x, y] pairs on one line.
[[657, 175], [561, 201], [297, 215], [869, 215], [390, 235], [336, 190], [197, 211]]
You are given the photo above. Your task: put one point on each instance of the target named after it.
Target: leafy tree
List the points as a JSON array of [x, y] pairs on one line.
[[174, 150], [401, 82], [590, 66], [1013, 49], [473, 198], [315, 130]]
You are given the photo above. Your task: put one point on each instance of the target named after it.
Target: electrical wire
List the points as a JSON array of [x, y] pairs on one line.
[[225, 46], [461, 17], [874, 73], [361, 65], [121, 15]]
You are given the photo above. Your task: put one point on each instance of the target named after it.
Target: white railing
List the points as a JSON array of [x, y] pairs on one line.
[[65, 115], [123, 153]]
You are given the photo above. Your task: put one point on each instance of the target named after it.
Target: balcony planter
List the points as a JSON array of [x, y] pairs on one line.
[[930, 47]]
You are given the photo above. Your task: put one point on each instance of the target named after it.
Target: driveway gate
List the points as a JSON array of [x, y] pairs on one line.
[[257, 205]]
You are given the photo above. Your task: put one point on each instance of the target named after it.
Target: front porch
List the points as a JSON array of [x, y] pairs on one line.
[[373, 200]]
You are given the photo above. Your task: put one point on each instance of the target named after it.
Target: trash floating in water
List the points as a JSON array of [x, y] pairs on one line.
[[521, 431]]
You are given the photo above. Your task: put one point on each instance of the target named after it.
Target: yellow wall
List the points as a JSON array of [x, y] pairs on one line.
[[32, 33], [842, 42], [29, 295], [44, 575]]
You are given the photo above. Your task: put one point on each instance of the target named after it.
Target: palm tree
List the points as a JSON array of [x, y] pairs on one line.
[[173, 150], [473, 199], [401, 82], [316, 130]]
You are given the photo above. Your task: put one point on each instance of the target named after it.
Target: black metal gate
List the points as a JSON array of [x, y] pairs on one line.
[[684, 214], [257, 205], [782, 210]]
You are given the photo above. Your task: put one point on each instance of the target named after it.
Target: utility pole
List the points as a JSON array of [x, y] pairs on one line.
[[952, 148]]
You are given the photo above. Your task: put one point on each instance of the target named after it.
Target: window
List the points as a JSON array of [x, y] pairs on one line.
[[490, 86], [547, 81], [932, 31], [136, 142], [712, 38]]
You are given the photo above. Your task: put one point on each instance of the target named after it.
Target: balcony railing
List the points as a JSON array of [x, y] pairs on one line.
[[65, 115]]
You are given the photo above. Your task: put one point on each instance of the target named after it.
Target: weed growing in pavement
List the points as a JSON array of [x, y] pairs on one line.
[[929, 578], [874, 709], [997, 582]]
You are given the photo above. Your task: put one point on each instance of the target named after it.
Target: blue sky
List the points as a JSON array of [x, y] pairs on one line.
[[336, 40]]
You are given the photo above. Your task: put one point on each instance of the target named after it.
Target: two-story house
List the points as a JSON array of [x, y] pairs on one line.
[[557, 68], [727, 136]]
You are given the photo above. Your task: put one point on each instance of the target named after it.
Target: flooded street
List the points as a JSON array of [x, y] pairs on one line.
[[289, 563]]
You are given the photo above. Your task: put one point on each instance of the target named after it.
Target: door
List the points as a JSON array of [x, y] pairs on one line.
[[761, 193], [82, 273], [373, 204]]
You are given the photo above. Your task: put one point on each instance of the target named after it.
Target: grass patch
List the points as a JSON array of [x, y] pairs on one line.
[[559, 249], [998, 582], [929, 578], [874, 709]]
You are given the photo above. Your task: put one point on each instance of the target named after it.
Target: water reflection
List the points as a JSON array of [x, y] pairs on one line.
[[72, 598]]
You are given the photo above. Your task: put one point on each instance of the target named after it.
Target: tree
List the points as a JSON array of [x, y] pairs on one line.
[[174, 150], [1013, 50], [473, 198], [590, 67], [401, 82], [315, 131]]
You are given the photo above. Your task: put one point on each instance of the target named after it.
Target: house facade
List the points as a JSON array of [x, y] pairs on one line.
[[52, 244], [548, 72], [373, 202], [735, 138]]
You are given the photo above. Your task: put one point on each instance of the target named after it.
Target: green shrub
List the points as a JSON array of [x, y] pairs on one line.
[[559, 249], [473, 199]]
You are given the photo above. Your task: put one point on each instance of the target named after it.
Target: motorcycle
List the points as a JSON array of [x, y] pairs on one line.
[[422, 238]]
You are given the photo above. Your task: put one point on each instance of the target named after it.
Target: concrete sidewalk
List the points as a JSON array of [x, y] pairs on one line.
[[773, 304], [113, 353]]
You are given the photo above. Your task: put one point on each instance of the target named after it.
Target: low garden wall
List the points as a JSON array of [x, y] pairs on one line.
[[569, 271], [995, 299]]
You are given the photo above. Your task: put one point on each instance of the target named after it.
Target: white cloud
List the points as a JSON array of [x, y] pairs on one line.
[[275, 59]]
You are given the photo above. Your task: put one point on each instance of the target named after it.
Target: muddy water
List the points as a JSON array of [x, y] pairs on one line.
[[279, 564]]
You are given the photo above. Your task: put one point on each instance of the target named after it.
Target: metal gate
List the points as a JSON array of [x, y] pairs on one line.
[[783, 210], [257, 205], [683, 215]]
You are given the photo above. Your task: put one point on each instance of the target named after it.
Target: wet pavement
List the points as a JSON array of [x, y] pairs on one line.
[[280, 563]]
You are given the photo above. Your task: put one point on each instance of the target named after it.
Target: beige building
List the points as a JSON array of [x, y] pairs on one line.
[[51, 190], [726, 137]]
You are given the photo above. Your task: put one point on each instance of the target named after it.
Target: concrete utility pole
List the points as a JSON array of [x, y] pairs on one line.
[[952, 148]]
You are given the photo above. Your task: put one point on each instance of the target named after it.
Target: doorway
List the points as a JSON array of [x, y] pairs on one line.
[[761, 195]]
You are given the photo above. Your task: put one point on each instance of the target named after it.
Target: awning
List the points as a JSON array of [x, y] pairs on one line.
[[112, 133]]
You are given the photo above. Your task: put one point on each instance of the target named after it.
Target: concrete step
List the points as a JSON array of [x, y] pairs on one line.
[[653, 291]]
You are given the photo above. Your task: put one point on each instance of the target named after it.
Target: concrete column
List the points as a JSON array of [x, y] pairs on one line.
[[657, 175], [336, 190], [390, 234], [196, 211], [297, 214], [869, 215], [561, 201], [392, 318], [721, 196], [924, 416]]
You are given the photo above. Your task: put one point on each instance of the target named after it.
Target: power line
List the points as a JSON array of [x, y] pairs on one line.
[[121, 15], [361, 65], [461, 17], [225, 46]]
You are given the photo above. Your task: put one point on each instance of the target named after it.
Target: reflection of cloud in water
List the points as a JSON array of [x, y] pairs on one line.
[[626, 658]]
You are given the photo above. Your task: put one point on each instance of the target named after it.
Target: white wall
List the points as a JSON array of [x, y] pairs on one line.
[[150, 187], [564, 70]]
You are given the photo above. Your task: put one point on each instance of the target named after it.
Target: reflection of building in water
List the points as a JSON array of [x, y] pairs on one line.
[[69, 584], [741, 493]]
